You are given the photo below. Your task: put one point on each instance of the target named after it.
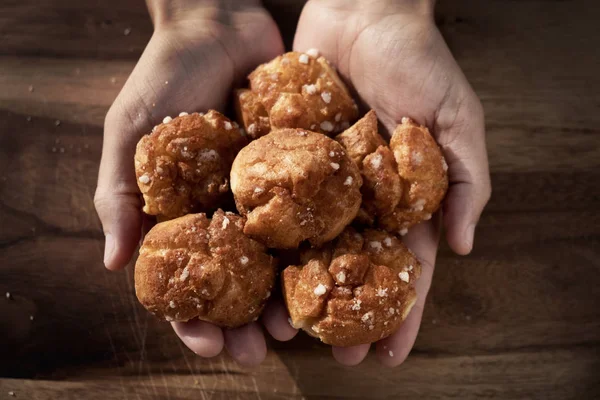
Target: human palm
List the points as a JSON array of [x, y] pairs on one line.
[[397, 63], [189, 65], [394, 59]]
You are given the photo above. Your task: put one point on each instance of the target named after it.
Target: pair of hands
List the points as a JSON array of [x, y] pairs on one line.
[[395, 61]]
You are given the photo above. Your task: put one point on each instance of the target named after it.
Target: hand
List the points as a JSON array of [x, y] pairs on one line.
[[197, 52], [397, 62]]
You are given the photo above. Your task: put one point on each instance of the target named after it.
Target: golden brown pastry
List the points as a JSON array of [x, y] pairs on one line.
[[183, 165], [357, 289], [403, 183], [295, 185], [295, 90], [251, 113], [194, 267]]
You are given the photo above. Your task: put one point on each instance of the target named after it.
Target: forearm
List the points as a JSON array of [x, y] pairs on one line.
[[164, 12]]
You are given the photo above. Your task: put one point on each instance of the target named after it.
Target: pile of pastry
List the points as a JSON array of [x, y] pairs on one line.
[[298, 170]]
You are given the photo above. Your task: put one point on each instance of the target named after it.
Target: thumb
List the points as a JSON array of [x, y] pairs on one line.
[[461, 130], [121, 221], [117, 198]]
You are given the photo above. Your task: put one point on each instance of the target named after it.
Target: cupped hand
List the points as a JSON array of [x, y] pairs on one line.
[[397, 63], [198, 51]]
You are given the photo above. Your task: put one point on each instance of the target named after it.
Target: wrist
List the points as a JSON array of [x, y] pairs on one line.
[[169, 13]]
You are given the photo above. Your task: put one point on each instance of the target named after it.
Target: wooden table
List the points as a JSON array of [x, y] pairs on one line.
[[519, 318]]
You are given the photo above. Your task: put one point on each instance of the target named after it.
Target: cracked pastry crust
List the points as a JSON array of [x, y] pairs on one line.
[[357, 289], [195, 267], [295, 90], [295, 185], [405, 182], [183, 165]]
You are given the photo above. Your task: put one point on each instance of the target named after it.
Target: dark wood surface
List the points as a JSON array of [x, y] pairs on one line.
[[519, 318]]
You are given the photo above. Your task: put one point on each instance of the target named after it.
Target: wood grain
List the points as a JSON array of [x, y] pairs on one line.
[[518, 318], [293, 376]]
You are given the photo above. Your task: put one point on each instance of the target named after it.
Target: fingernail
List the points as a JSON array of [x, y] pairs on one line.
[[109, 248], [470, 236]]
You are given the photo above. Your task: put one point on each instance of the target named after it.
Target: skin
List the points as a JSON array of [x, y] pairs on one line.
[[395, 59], [201, 49]]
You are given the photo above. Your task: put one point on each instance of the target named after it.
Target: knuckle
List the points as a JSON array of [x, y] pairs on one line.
[[474, 112], [477, 107], [486, 192], [115, 117], [463, 121], [100, 200], [128, 119], [109, 119]]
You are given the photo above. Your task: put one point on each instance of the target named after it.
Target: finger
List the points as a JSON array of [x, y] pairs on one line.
[[275, 318], [117, 199], [393, 350], [120, 218], [461, 131], [139, 105], [463, 206], [350, 356], [423, 240], [309, 38], [202, 338], [246, 344]]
